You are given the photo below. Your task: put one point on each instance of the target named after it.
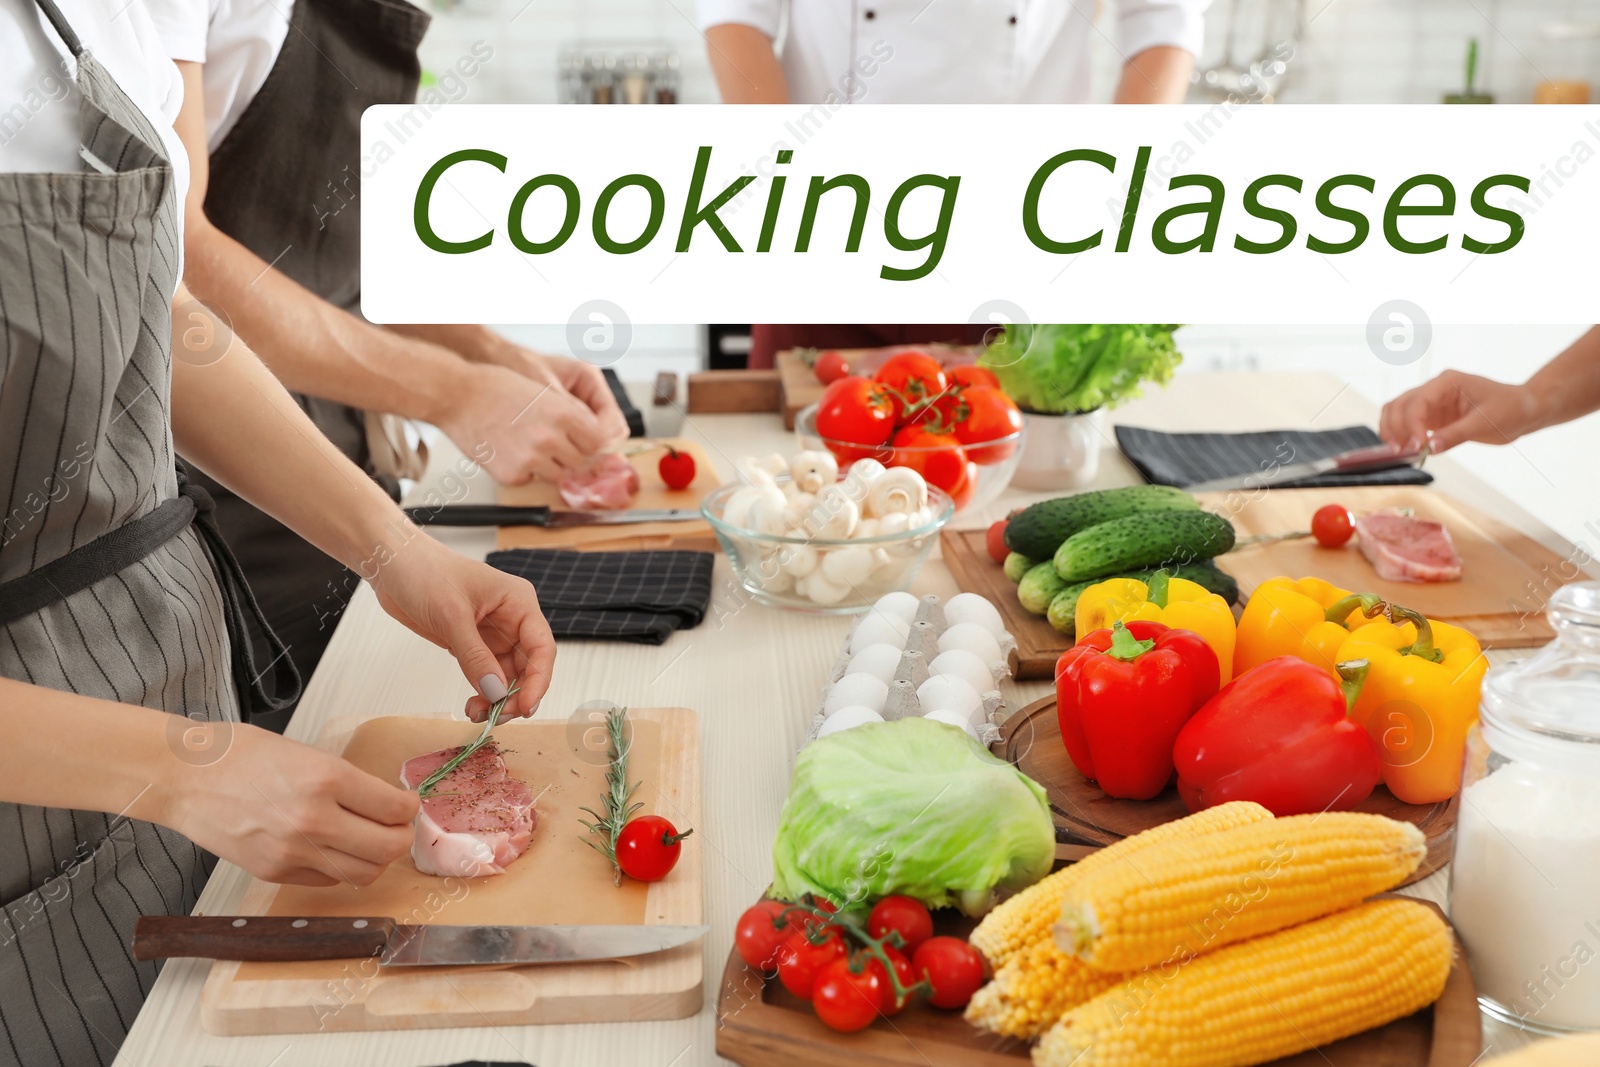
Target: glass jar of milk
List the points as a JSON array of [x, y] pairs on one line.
[[1525, 882]]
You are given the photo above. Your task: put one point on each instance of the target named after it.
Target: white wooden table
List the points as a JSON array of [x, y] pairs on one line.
[[754, 675]]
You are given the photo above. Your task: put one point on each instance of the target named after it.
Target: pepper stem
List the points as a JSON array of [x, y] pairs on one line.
[[1423, 646], [1352, 676], [1157, 588], [1369, 603], [1125, 646]]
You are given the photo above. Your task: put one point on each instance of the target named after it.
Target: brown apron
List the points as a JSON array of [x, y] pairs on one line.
[[283, 184]]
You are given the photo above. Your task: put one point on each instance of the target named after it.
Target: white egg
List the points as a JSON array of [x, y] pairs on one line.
[[950, 718], [946, 692], [864, 690], [900, 605], [845, 718], [973, 638], [878, 628], [880, 661], [959, 663], [970, 607]]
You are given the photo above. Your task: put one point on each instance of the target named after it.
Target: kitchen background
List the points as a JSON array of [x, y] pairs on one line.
[[1338, 51]]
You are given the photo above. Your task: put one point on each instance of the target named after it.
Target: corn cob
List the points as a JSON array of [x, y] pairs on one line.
[[1264, 998], [1033, 990], [1185, 896], [1025, 919]]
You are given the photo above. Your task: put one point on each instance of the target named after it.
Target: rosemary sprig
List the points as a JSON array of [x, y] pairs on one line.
[[430, 783], [618, 802]]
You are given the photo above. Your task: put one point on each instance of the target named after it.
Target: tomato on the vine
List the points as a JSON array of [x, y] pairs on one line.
[[972, 374], [938, 457], [953, 968], [995, 541], [902, 972], [847, 1001], [830, 367], [758, 935], [855, 411], [911, 377], [676, 468], [906, 916], [648, 847], [800, 960], [1332, 525], [990, 415]]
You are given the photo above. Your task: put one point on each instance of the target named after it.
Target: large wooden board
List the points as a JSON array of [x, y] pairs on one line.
[[1081, 811], [558, 880], [653, 493], [760, 1024], [1039, 645]]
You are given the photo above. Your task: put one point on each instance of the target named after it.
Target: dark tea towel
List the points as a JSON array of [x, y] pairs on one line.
[[1183, 459], [616, 596]]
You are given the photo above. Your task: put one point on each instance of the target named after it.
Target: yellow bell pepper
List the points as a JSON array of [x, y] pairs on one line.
[[1305, 619], [1174, 602], [1419, 699]]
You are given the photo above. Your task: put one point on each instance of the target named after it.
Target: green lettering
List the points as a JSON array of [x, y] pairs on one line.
[[1254, 207], [1355, 219], [1030, 202], [808, 215], [933, 241], [1398, 208], [707, 214], [602, 207], [1513, 221], [569, 222], [420, 218], [1211, 208]]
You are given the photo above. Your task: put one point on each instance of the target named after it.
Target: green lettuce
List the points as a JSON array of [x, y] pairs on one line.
[[1057, 368], [913, 807]]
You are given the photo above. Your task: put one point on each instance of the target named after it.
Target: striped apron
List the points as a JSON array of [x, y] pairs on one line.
[[88, 265]]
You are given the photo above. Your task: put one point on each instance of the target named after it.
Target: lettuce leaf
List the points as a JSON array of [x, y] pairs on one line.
[[1057, 368]]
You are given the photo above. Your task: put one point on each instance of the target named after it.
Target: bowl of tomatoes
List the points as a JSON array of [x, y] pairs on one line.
[[954, 426]]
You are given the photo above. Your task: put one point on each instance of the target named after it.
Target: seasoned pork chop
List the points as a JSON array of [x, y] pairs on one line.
[[1402, 548], [476, 821]]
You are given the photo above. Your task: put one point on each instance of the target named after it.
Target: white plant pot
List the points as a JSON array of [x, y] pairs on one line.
[[1060, 451]]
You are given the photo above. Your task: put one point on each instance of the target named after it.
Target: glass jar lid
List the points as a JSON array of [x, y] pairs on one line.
[[1546, 708]]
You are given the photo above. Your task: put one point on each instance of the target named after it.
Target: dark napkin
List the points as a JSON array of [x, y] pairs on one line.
[[1183, 459], [615, 596], [632, 414]]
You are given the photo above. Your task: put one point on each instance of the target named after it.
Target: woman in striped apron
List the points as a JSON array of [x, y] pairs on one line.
[[121, 668]]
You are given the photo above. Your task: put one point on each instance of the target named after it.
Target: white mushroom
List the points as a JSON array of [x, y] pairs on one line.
[[751, 472], [823, 592], [798, 560], [895, 523], [859, 478], [773, 463], [800, 504], [766, 511], [736, 512], [866, 528], [813, 470], [833, 515], [847, 566], [776, 580], [897, 491], [921, 517]]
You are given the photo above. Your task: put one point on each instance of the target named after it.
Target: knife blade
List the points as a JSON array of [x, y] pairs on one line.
[[1356, 461], [278, 939], [510, 515]]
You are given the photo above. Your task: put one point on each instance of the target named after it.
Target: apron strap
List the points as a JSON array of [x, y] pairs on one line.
[[69, 37]]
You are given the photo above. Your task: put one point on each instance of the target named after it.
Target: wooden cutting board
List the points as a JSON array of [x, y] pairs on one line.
[[558, 880], [653, 493]]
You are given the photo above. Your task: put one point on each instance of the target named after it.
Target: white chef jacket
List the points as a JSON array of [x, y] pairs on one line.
[[952, 51], [237, 40]]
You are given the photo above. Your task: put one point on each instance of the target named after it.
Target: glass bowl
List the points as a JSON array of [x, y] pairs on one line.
[[764, 563], [985, 481]]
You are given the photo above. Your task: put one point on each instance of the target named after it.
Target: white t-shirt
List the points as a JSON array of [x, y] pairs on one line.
[[237, 40]]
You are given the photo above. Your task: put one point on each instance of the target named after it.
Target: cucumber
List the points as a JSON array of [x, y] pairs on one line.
[[1064, 608], [1143, 541], [1037, 531], [1017, 565], [1038, 587]]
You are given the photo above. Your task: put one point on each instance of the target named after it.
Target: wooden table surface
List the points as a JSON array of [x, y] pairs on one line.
[[754, 674]]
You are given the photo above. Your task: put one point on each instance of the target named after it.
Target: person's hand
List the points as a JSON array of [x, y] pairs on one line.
[[287, 812], [533, 428], [1456, 407], [582, 380], [487, 619]]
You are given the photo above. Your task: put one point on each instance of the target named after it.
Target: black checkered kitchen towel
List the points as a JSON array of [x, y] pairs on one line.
[[615, 596], [1183, 459]]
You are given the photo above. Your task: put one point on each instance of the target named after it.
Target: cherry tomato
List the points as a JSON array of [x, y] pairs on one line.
[[905, 916], [912, 377], [1332, 525], [855, 411], [995, 541], [677, 468], [902, 971], [830, 367], [938, 457], [648, 848], [845, 1001], [758, 937], [990, 415], [800, 960], [952, 967], [972, 374]]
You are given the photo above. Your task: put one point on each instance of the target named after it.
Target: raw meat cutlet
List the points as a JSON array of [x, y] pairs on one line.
[[1402, 548], [476, 821], [608, 481]]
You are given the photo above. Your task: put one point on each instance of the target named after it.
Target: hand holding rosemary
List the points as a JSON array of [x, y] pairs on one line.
[[644, 848], [430, 783]]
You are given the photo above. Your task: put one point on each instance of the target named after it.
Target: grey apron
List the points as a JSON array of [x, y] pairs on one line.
[[107, 581], [283, 183]]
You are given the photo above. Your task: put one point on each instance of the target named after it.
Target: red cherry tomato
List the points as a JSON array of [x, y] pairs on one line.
[[938, 457], [648, 847], [902, 971], [677, 468], [905, 916], [990, 415], [855, 411], [758, 937], [830, 367], [972, 374], [952, 967], [800, 960], [995, 541], [845, 1001], [912, 377], [1332, 525]]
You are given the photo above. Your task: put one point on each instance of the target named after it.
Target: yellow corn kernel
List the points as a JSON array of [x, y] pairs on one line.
[[1025, 919], [1034, 989], [1188, 895], [1268, 997]]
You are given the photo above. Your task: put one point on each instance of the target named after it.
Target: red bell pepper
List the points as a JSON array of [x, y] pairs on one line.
[[1279, 734], [1123, 694]]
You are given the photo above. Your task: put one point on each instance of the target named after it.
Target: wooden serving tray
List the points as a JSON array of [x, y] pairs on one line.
[[558, 880], [1031, 741], [761, 1024]]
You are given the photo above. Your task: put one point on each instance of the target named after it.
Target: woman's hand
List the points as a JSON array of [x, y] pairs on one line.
[[489, 620], [1454, 408]]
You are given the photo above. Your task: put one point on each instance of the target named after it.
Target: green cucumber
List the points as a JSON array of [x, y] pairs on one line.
[[1038, 587], [1038, 530], [1064, 607], [1017, 565], [1143, 541]]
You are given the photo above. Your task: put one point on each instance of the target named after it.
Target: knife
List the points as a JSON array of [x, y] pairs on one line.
[[1356, 461], [507, 515], [278, 939]]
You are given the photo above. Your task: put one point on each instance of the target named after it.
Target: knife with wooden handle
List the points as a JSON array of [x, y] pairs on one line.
[[510, 515]]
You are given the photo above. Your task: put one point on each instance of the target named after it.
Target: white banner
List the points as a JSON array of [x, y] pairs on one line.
[[599, 216]]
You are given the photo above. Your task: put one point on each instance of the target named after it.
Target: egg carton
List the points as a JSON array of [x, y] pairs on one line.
[[921, 648]]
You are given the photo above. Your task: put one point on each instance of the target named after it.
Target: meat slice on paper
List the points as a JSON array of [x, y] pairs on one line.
[[476, 821], [608, 482], [1402, 548]]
